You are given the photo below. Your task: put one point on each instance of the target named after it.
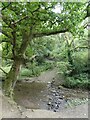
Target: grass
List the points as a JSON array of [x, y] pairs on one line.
[[75, 102]]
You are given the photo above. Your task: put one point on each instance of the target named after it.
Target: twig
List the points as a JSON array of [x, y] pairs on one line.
[[6, 6], [20, 20], [3, 70]]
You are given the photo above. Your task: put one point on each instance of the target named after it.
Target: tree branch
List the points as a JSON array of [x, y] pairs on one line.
[[25, 17], [80, 47], [7, 21], [3, 70], [7, 58], [4, 33], [6, 6], [36, 9], [49, 33], [25, 60], [5, 41], [14, 43], [20, 20]]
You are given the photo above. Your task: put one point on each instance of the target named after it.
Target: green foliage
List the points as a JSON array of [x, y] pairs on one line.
[[24, 27], [73, 66], [25, 72], [6, 69], [64, 68], [31, 70], [78, 81], [80, 61], [41, 17], [35, 70], [75, 102], [79, 76], [48, 65]]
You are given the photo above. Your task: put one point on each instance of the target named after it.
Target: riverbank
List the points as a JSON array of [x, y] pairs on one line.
[[31, 92], [10, 110]]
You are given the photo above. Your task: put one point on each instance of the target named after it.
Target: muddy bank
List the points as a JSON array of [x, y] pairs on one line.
[[41, 97], [11, 110], [47, 96]]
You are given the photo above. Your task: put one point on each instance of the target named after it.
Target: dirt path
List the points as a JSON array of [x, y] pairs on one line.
[[9, 109], [46, 76]]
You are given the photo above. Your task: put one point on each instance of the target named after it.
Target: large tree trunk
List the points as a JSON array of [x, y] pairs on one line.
[[11, 78]]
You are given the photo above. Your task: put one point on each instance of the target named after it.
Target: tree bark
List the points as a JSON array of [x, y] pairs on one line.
[[11, 78]]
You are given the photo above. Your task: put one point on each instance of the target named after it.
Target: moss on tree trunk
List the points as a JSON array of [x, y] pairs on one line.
[[11, 78]]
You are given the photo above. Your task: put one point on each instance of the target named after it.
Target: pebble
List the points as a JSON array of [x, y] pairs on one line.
[[55, 111], [53, 91], [52, 106], [55, 98], [53, 94], [49, 103], [50, 98], [55, 102], [57, 106], [56, 94], [60, 97], [49, 83], [59, 102]]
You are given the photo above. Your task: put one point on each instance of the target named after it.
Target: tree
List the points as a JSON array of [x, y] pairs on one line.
[[22, 22]]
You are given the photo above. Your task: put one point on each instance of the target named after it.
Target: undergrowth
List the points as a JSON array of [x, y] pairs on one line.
[[35, 70], [78, 81]]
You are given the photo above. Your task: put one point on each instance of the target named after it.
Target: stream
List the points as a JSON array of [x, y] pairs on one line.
[[41, 95]]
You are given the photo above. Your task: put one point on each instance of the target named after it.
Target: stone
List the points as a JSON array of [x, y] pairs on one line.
[[53, 91], [50, 98], [49, 83], [57, 106], [53, 82], [60, 87], [53, 94], [49, 103], [59, 102], [55, 102], [56, 94], [60, 97], [55, 111]]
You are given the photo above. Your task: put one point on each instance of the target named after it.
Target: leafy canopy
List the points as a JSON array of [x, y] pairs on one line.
[[20, 19]]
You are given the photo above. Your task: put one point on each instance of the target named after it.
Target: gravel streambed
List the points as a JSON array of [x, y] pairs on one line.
[[40, 95]]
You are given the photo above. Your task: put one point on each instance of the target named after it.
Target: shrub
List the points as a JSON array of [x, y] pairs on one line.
[[80, 61], [64, 68], [25, 72], [78, 81], [48, 65], [35, 70]]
